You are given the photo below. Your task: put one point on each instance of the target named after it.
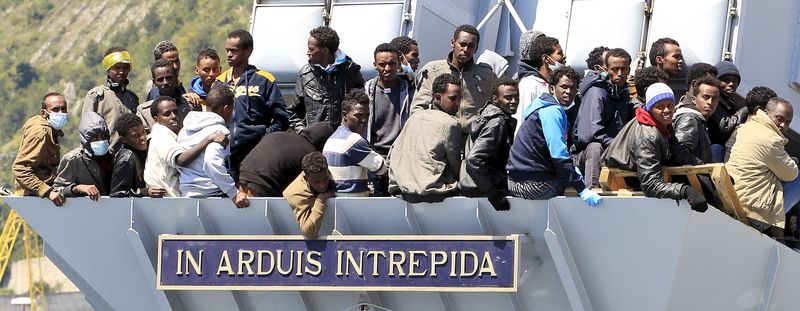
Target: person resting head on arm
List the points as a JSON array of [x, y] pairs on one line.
[[308, 192]]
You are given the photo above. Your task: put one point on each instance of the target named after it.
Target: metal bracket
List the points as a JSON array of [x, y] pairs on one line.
[[565, 263]]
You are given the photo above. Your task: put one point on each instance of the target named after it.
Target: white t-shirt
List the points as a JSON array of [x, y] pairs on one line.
[[160, 169]]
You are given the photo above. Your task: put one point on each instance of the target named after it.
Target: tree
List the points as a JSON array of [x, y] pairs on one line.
[[26, 74]]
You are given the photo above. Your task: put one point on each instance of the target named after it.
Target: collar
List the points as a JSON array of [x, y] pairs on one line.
[[467, 66]]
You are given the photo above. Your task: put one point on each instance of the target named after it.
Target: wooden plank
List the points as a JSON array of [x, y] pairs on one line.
[[694, 182], [727, 193], [604, 179], [704, 169]]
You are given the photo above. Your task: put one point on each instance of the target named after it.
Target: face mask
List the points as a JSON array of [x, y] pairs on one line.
[[99, 148], [553, 67], [57, 120], [603, 73], [407, 69]]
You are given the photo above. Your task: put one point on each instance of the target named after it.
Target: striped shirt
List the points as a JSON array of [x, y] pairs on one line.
[[349, 158]]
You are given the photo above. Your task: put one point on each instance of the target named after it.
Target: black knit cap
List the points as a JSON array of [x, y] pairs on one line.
[[727, 68]]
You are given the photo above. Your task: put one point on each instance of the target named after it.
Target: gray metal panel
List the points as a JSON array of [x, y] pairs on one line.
[[377, 22], [280, 35], [766, 40], [697, 25], [587, 32], [739, 274], [632, 253], [92, 238], [639, 242], [434, 23]]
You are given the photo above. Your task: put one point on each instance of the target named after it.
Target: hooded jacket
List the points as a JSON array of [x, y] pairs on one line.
[[539, 152], [196, 86], [758, 165], [602, 113], [426, 157], [36, 163], [531, 85], [258, 110], [643, 149], [385, 122], [319, 92], [476, 88], [276, 160], [690, 130], [110, 101], [206, 175], [80, 166]]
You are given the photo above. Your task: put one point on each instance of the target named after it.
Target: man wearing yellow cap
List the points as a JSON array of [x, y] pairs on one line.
[[113, 98]]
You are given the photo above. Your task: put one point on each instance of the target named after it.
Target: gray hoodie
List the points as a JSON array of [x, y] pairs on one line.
[[78, 167], [206, 175]]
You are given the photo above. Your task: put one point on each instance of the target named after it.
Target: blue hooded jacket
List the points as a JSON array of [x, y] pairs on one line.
[[196, 86], [539, 152], [604, 110]]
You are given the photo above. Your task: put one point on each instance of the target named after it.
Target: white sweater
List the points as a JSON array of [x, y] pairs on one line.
[[207, 174]]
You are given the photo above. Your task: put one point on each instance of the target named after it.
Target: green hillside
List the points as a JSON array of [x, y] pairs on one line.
[[58, 45]]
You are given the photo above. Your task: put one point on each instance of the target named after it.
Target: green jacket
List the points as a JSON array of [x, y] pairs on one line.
[[476, 86]]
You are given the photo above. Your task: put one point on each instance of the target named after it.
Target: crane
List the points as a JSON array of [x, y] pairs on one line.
[[8, 238]]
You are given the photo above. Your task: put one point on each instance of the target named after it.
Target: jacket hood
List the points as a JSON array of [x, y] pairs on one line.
[[542, 101], [197, 86], [592, 78], [196, 121], [525, 68], [317, 134], [91, 124]]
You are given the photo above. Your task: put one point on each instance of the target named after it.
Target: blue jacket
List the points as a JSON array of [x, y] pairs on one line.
[[258, 109], [539, 151], [603, 112], [196, 86]]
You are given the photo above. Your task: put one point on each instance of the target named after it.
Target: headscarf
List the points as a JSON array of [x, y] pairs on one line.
[[115, 58]]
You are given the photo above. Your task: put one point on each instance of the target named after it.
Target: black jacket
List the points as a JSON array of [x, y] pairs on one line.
[[318, 94], [275, 161], [602, 113], [691, 131], [641, 148], [127, 176], [488, 147], [729, 114]]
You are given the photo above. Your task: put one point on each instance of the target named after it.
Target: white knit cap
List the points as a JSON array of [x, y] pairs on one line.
[[656, 93]]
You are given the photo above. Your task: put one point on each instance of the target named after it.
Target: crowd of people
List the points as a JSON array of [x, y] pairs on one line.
[[451, 127]]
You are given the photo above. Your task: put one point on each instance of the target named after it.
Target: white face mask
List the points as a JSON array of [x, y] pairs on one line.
[[57, 120], [99, 148], [555, 65]]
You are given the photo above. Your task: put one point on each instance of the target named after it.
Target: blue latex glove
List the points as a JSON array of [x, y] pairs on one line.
[[590, 197]]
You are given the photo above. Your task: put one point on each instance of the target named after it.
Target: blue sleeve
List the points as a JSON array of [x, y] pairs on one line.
[[554, 127]]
